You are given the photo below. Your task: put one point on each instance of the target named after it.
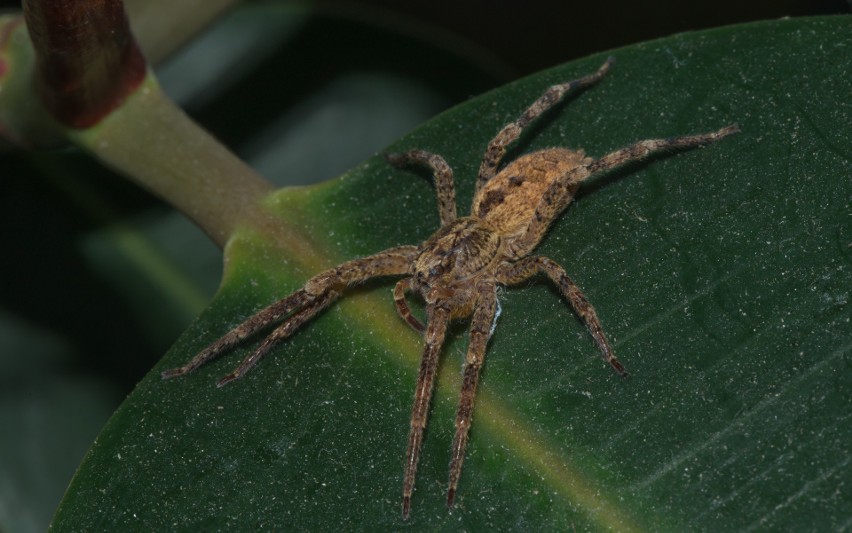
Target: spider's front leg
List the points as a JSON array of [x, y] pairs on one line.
[[436, 331], [299, 308], [524, 269], [482, 325]]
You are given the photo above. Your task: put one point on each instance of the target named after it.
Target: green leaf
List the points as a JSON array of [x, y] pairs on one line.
[[722, 275]]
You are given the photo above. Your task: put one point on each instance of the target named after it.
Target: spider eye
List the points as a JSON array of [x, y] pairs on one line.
[[436, 271]]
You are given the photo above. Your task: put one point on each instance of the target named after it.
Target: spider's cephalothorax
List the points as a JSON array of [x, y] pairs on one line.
[[458, 269]]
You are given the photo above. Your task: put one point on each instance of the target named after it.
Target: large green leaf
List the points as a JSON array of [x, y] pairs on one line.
[[722, 275]]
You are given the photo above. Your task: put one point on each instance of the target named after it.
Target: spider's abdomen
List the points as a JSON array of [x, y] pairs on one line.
[[508, 201]]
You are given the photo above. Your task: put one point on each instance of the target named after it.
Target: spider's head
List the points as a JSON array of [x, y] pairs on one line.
[[433, 276], [453, 259]]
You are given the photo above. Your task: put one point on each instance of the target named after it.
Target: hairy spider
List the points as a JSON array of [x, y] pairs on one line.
[[457, 270]]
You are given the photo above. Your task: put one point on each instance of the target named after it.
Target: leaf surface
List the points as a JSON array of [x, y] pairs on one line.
[[722, 276]]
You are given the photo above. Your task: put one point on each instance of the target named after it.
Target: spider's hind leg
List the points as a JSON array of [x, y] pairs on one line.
[[643, 149], [553, 95], [443, 175], [560, 192]]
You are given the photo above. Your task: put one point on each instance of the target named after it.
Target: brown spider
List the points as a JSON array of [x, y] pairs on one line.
[[457, 270]]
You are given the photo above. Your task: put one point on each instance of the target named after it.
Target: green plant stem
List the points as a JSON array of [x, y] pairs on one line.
[[158, 146], [24, 121]]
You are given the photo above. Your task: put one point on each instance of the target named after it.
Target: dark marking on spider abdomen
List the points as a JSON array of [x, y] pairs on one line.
[[509, 200], [495, 196]]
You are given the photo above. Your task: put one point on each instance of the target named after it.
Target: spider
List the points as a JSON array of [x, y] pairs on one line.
[[457, 270]]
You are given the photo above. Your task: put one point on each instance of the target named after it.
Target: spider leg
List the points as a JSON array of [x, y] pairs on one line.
[[436, 330], [510, 274], [280, 333], [482, 325], [257, 322], [644, 149], [443, 174], [497, 147], [402, 306], [560, 193], [301, 306]]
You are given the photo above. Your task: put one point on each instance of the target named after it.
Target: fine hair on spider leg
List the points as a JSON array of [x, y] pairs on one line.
[[458, 270]]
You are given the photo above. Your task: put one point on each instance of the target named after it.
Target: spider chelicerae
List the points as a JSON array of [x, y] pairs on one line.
[[457, 270]]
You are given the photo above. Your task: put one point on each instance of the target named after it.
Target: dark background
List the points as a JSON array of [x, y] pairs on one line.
[[530, 36]]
